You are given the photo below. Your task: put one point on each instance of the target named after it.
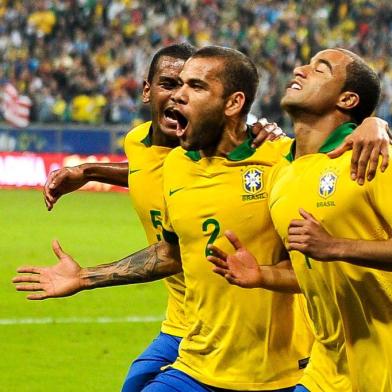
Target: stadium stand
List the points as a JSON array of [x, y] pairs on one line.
[[82, 61]]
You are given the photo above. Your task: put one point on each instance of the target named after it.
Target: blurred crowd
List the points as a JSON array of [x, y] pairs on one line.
[[84, 60]]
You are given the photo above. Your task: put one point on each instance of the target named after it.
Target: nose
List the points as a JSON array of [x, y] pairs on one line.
[[180, 96], [300, 71]]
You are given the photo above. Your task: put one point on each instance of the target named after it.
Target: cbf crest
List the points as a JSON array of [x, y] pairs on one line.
[[252, 180], [327, 185]]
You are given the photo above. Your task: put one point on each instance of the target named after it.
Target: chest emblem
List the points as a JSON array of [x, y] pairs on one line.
[[252, 180], [327, 184]]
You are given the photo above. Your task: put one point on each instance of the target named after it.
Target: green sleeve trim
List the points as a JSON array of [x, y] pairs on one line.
[[147, 141], [170, 237]]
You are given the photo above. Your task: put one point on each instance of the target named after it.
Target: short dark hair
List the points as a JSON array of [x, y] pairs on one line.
[[239, 72], [178, 51], [361, 79]]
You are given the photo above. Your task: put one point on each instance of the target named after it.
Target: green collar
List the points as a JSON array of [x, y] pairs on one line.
[[147, 141], [241, 152], [335, 139]]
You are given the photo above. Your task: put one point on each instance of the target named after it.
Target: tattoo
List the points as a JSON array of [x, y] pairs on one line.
[[147, 265]]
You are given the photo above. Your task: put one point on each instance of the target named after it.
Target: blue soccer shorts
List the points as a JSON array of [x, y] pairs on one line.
[[173, 380], [162, 351], [300, 388]]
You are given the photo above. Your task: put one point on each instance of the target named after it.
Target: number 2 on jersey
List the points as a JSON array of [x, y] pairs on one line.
[[213, 235]]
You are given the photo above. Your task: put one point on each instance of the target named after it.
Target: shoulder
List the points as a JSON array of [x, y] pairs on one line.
[[271, 152], [138, 133]]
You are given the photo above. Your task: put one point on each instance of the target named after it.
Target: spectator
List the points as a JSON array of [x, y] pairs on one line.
[[62, 53]]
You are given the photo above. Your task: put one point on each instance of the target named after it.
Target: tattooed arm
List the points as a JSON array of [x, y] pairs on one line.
[[67, 277]]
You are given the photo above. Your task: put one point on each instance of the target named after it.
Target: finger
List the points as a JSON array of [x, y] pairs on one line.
[[259, 138], [26, 278], [363, 161], [373, 163], [29, 269], [232, 280], [297, 223], [337, 152], [296, 238], [217, 252], [49, 202], [220, 271], [29, 287], [234, 240], [296, 230], [357, 148], [38, 296], [296, 246], [263, 121], [217, 261], [271, 127], [307, 215], [58, 250], [385, 156]]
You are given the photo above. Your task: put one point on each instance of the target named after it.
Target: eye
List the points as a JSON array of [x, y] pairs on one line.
[[169, 85]]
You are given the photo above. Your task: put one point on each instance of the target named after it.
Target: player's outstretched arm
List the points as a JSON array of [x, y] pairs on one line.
[[67, 277], [242, 269], [69, 179], [369, 141], [309, 237]]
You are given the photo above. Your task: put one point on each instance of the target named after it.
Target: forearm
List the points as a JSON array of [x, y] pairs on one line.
[[152, 263], [279, 277], [366, 253], [108, 173]]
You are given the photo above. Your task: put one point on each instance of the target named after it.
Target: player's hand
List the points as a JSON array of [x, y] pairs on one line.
[[62, 181], [240, 268], [368, 142], [60, 280], [308, 236], [264, 130]]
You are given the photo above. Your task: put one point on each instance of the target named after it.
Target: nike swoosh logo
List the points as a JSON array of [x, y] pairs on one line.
[[172, 192], [134, 171]]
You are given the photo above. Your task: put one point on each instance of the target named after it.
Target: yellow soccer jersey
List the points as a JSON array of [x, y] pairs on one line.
[[351, 306], [238, 339], [145, 188]]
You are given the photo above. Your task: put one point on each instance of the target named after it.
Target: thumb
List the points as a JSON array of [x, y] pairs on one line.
[[233, 239], [345, 146], [58, 251], [307, 215]]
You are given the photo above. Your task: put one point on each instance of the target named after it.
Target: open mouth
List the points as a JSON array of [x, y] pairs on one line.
[[294, 85], [182, 122], [170, 117]]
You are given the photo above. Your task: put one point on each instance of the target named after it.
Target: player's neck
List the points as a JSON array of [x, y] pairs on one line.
[[311, 132], [158, 138], [232, 136]]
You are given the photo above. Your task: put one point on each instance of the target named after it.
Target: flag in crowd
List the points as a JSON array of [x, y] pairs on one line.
[[15, 107]]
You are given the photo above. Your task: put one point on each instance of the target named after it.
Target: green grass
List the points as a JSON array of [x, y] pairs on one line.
[[94, 228]]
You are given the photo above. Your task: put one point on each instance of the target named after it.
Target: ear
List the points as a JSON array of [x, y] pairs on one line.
[[234, 104], [348, 100], [146, 92]]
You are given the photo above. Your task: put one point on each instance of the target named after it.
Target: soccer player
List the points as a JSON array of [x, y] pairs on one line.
[[350, 297], [131, 269], [146, 147]]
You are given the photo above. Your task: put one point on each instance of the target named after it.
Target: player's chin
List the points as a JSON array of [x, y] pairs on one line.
[[169, 131]]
